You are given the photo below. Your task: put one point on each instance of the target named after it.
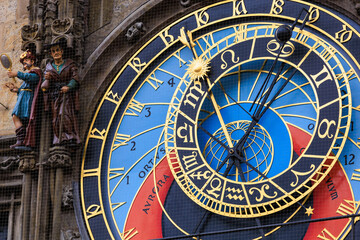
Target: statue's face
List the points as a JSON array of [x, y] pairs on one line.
[[56, 52], [27, 63]]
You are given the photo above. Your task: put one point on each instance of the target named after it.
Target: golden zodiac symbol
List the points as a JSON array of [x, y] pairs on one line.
[[190, 160], [199, 175], [224, 65], [273, 46], [297, 174], [262, 192], [216, 188], [328, 125], [185, 137]]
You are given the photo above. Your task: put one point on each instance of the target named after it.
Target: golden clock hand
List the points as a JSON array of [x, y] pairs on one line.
[[186, 39], [242, 160], [282, 35], [232, 99], [218, 114], [213, 137], [266, 81], [260, 107]]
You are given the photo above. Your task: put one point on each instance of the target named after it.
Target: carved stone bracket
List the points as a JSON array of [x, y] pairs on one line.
[[32, 35], [70, 235], [357, 7], [28, 162], [9, 163], [135, 31], [71, 31], [59, 156], [185, 3], [67, 197]]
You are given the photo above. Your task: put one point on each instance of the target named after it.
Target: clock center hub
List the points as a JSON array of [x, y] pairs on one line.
[[258, 149]]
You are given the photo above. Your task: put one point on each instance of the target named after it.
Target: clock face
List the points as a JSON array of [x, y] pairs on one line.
[[239, 115]]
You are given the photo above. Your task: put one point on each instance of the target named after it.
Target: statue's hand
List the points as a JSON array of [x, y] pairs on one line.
[[11, 87], [12, 74], [48, 76], [65, 89]]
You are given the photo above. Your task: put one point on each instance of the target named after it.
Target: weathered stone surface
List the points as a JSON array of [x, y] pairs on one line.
[[13, 15]]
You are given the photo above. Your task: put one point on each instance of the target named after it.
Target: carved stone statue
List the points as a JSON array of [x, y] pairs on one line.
[[24, 113], [61, 96]]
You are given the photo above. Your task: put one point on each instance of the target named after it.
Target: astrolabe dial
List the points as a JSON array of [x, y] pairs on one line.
[[230, 117], [236, 90], [258, 149]]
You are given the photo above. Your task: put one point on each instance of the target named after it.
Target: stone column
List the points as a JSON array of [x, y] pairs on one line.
[[27, 166], [59, 159]]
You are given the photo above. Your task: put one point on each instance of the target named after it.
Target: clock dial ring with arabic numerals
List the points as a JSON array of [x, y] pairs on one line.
[[136, 145]]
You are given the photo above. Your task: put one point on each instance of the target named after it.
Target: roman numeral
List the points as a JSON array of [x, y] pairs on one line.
[[356, 176], [135, 107], [347, 208], [181, 61], [121, 140], [326, 235], [327, 53], [129, 234], [302, 37], [95, 172], [154, 82]]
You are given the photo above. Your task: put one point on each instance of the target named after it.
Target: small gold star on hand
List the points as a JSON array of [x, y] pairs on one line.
[[309, 211]]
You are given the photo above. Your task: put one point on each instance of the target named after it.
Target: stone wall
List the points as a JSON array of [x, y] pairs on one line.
[[120, 10], [13, 15]]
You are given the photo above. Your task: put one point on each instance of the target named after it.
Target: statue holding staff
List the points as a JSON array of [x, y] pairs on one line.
[[61, 96]]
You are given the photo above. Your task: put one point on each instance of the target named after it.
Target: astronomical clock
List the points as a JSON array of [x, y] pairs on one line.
[[238, 120]]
